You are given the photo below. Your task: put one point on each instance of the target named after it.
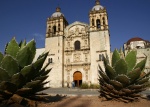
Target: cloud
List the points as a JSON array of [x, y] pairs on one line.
[[39, 37]]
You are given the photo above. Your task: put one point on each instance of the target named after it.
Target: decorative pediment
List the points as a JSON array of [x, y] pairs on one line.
[[76, 29]]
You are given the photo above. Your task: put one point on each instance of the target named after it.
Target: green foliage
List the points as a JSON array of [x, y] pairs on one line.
[[84, 86], [125, 79], [131, 60], [91, 86], [115, 57], [18, 74]]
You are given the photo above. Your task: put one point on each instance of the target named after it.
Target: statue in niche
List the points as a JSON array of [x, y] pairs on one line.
[[76, 57], [71, 32], [68, 44], [77, 31], [83, 31], [85, 42]]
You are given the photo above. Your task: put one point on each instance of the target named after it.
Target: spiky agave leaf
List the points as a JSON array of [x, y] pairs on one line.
[[123, 79], [1, 57], [3, 75], [22, 44], [141, 64], [121, 67], [110, 72], [19, 76], [115, 57], [131, 60], [128, 81], [10, 65], [12, 48]]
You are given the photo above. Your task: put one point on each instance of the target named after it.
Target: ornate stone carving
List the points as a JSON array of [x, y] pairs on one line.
[[77, 31], [77, 57]]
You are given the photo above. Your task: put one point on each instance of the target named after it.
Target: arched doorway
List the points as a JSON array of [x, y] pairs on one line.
[[77, 77]]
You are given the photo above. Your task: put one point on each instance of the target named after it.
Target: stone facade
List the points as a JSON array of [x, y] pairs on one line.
[[76, 49]]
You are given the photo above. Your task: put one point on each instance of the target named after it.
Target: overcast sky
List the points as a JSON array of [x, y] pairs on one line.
[[26, 19]]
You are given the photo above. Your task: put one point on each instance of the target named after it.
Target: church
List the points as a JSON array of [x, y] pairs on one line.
[[76, 49]]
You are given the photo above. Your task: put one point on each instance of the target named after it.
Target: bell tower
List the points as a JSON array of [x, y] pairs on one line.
[[54, 44], [56, 24], [99, 37], [98, 17]]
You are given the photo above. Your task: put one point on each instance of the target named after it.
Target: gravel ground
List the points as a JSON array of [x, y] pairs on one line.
[[88, 101]]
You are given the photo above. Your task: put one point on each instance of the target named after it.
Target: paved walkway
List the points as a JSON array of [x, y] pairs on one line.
[[72, 91], [79, 92]]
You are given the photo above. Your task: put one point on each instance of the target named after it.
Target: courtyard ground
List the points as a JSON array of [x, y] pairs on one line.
[[88, 101], [74, 97]]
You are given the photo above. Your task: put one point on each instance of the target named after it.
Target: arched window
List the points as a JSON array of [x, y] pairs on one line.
[[98, 23], [58, 27], [77, 45], [50, 60], [103, 21], [92, 22], [54, 29]]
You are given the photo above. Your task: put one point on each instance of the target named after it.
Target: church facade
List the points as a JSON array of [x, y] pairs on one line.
[[76, 49]]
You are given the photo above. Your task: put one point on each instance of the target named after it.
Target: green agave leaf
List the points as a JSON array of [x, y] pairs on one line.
[[22, 44], [135, 87], [46, 72], [3, 75], [10, 65], [104, 76], [123, 79], [24, 57], [23, 91], [134, 75], [142, 81], [12, 48], [1, 57], [116, 84], [18, 79], [32, 84], [41, 78], [121, 67], [32, 48], [38, 89], [43, 55], [10, 87], [127, 91], [39, 63], [131, 60], [115, 57], [141, 64], [110, 72], [28, 72], [106, 60]]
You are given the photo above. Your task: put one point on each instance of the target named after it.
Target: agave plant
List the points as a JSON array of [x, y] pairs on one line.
[[123, 78], [20, 77]]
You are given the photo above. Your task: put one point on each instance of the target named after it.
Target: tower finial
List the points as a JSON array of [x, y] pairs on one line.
[[58, 9], [97, 2]]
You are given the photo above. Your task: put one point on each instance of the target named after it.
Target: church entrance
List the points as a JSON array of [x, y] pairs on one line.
[[77, 77]]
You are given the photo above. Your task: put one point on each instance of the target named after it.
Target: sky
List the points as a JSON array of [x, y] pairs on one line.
[[26, 19]]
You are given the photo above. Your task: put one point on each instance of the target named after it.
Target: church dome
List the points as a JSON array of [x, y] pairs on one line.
[[134, 39], [97, 6], [57, 13]]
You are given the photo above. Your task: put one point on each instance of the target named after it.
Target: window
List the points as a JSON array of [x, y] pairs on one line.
[[58, 27], [50, 60], [92, 22], [77, 45], [54, 29], [98, 23], [103, 21], [101, 57]]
